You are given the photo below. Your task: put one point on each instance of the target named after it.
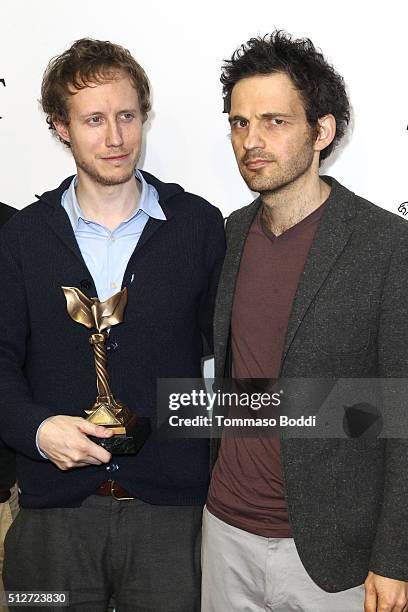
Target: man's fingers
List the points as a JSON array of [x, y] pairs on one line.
[[390, 603], [399, 606], [70, 465], [385, 594], [385, 606], [97, 454], [87, 451], [86, 462], [94, 430], [66, 441], [370, 601]]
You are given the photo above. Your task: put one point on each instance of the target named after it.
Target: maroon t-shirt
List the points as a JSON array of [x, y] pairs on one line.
[[247, 489]]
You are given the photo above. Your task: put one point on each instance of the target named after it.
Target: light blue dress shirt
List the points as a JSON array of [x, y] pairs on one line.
[[107, 253]]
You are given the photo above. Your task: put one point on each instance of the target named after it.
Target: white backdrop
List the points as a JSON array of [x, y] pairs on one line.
[[181, 45]]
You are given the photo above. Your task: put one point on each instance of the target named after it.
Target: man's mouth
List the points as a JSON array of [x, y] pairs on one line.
[[254, 164], [113, 158]]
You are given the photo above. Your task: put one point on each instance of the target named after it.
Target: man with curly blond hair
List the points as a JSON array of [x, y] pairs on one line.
[[93, 524]]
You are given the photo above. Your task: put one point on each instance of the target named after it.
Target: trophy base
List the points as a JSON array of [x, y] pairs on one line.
[[130, 443]]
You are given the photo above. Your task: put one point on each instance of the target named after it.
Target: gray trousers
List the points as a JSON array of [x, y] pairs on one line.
[[147, 556], [243, 572]]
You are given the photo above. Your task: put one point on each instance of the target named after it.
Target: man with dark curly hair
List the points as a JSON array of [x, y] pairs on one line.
[[95, 524], [314, 286]]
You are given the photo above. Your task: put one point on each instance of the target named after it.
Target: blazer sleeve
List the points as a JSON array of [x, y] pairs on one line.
[[390, 551], [20, 416]]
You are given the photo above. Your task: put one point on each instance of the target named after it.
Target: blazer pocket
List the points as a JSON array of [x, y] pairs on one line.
[[341, 325]]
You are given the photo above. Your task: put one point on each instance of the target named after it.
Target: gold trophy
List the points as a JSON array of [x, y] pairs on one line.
[[130, 431]]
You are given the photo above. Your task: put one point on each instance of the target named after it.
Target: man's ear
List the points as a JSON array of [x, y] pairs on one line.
[[326, 131], [61, 128]]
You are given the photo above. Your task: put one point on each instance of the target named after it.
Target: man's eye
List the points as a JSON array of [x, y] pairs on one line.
[[277, 121], [127, 116], [239, 123], [94, 120]]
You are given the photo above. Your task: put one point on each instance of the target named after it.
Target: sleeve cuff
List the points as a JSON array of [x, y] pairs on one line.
[[36, 439]]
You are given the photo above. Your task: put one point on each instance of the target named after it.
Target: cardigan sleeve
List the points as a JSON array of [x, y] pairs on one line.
[[20, 416], [215, 253]]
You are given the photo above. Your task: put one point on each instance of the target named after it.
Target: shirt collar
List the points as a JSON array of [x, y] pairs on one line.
[[148, 202], [149, 199]]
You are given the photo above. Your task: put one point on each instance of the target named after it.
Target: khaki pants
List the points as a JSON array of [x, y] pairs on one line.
[[8, 512], [243, 572]]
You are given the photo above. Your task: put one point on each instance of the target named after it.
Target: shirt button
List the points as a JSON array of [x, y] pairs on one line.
[[112, 238], [112, 346], [113, 285], [112, 467]]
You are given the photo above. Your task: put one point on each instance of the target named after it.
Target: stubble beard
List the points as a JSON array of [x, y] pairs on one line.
[[281, 176], [102, 179]]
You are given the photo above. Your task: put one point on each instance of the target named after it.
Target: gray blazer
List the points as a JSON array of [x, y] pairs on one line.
[[347, 498]]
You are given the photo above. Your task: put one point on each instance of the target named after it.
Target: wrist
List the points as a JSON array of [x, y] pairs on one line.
[[37, 438]]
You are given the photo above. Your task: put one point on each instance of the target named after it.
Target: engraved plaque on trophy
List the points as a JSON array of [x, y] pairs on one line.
[[129, 430]]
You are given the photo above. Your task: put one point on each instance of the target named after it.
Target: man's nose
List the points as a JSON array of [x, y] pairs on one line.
[[253, 138], [114, 134]]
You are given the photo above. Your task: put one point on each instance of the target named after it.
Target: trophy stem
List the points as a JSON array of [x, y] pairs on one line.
[[129, 431], [102, 376]]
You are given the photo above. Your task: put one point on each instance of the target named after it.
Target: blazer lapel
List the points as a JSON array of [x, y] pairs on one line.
[[237, 231], [331, 237]]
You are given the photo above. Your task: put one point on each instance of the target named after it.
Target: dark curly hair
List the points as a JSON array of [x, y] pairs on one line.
[[88, 61], [322, 89]]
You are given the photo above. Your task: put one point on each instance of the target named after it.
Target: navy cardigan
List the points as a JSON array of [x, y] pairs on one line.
[[46, 364], [7, 457]]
